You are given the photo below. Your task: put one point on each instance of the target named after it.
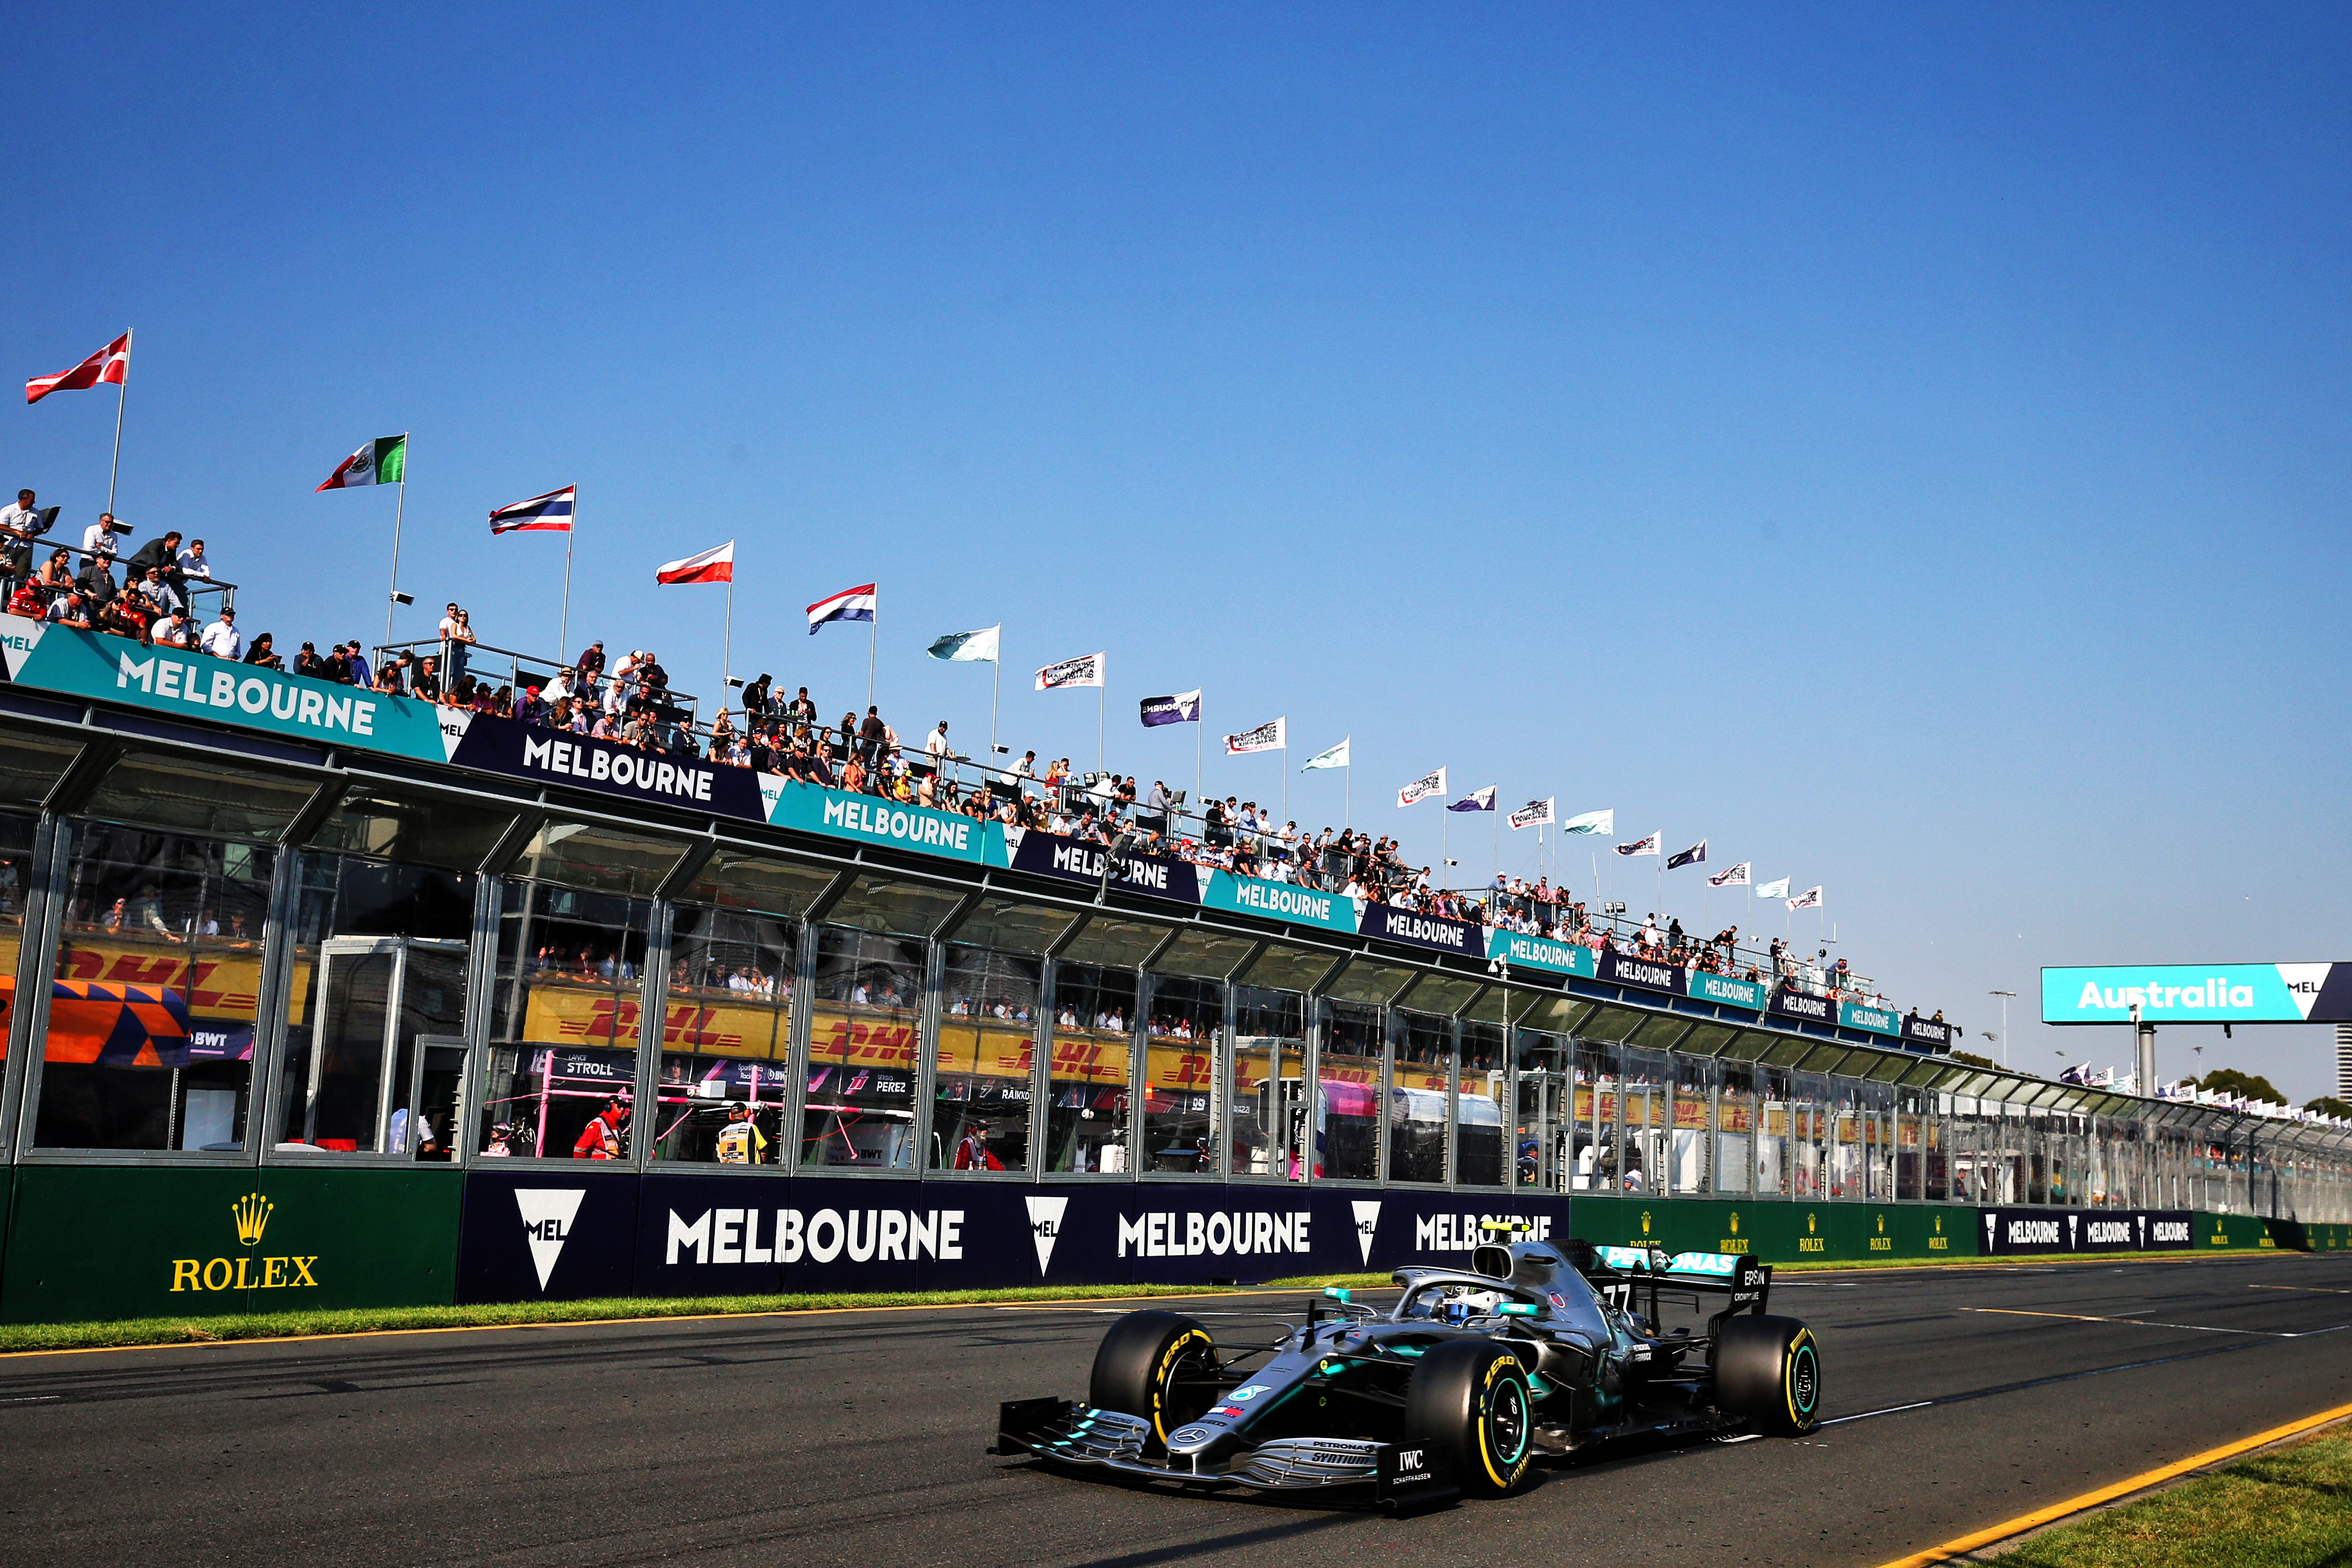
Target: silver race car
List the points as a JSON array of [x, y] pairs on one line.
[[1540, 1348]]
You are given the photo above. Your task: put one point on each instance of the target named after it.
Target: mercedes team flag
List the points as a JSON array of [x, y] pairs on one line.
[[1535, 813], [1336, 757], [1649, 845], [1600, 823], [382, 461], [1087, 671], [1183, 708], [1735, 877], [1778, 890], [110, 363], [1422, 788], [967, 648], [710, 566], [550, 513], [850, 605], [1269, 737], [1476, 800], [1693, 856], [1810, 898]]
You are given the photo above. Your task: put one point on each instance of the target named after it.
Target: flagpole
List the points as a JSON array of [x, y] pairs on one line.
[[727, 646], [122, 395], [398, 506], [1286, 770], [1349, 798], [563, 626], [1199, 723], [873, 637], [995, 688], [1102, 700]]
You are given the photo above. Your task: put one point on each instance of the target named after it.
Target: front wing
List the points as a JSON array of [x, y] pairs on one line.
[[1062, 1432]]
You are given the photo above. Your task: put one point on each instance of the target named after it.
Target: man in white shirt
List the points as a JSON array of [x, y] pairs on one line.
[[193, 562], [99, 537], [23, 518], [222, 639], [173, 630], [935, 745]]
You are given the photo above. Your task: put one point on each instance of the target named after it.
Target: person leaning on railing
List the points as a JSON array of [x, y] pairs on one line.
[[264, 653]]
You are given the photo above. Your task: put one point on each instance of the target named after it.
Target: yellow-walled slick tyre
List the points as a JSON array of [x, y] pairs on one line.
[[1156, 1366], [1470, 1406], [1769, 1369]]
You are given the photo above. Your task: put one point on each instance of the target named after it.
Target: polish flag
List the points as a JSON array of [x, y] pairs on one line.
[[110, 363], [710, 566]]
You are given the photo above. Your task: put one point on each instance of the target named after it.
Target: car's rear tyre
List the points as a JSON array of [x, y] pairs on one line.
[[1469, 1405], [1769, 1369], [1156, 1366]]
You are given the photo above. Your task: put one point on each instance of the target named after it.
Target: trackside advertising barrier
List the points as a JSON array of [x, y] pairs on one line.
[[1779, 1231], [2041, 1231], [99, 1242], [551, 1235]]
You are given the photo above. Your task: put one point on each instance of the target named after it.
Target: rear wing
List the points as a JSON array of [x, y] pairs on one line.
[[1747, 1282]]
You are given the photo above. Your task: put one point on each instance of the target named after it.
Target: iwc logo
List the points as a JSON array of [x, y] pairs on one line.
[[250, 1215], [1813, 1241]]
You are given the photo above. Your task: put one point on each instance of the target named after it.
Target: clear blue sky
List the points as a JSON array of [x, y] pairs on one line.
[[1904, 446]]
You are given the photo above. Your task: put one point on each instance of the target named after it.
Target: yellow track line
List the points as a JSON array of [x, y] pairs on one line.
[[660, 1318], [2057, 1511]]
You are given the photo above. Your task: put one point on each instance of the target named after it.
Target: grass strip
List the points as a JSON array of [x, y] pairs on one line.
[[2290, 1508], [18, 1337]]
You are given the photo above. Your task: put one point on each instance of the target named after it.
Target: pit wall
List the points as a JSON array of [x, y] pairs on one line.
[[96, 1243]]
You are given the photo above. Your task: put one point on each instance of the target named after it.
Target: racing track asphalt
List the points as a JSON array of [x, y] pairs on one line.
[[857, 1439]]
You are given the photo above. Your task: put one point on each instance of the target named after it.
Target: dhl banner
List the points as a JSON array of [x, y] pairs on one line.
[[861, 1036], [1090, 1058], [986, 1050], [594, 1015], [214, 980]]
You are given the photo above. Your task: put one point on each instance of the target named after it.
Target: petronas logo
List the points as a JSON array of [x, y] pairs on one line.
[[252, 1212]]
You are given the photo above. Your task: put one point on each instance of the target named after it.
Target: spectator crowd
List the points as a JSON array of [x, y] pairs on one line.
[[629, 701]]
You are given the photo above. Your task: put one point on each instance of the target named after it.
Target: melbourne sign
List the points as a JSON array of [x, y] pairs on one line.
[[2199, 993]]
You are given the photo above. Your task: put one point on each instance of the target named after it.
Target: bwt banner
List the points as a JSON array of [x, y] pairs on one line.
[[2200, 993], [553, 1235], [2085, 1230]]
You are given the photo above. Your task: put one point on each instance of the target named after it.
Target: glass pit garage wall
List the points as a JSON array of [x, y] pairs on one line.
[[402, 994]]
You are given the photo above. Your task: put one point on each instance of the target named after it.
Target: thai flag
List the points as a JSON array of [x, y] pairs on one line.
[[849, 605], [550, 513], [710, 566]]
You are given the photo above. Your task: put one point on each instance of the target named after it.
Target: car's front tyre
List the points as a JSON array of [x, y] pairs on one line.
[[1156, 1366], [1470, 1406]]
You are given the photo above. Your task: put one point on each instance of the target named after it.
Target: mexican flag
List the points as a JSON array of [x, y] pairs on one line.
[[382, 461]]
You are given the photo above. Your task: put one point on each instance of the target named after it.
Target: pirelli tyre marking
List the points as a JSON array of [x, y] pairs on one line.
[[1190, 1344], [1801, 1380], [1505, 1427]]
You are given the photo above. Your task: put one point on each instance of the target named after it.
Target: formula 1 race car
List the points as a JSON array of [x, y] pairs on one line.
[[1540, 1348]]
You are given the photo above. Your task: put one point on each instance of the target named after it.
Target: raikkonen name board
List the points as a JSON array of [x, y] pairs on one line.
[[2199, 993]]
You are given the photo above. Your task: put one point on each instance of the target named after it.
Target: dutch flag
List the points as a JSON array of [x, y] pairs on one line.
[[849, 605], [550, 513]]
